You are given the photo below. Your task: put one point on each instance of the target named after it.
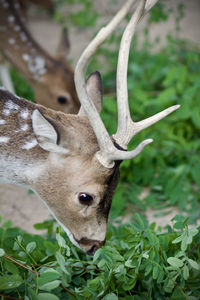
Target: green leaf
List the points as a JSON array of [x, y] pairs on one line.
[[155, 272], [185, 272], [62, 243], [50, 285], [168, 285], [2, 252], [139, 221], [97, 255], [177, 240], [110, 296], [48, 275], [11, 267], [154, 241], [193, 263], [61, 261], [184, 243], [175, 262], [61, 240], [30, 247], [193, 231], [160, 277], [129, 264], [47, 296], [10, 282], [148, 269]]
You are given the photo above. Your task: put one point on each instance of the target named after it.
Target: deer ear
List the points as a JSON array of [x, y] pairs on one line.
[[46, 134], [63, 46], [95, 91]]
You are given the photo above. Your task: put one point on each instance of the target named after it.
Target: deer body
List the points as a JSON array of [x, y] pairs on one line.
[[51, 77], [70, 161]]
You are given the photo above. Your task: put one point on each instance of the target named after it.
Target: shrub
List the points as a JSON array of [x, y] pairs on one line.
[[138, 260]]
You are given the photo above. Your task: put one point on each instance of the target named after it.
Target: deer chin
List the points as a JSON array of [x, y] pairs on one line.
[[89, 246]]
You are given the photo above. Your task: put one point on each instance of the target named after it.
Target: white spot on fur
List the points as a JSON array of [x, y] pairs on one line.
[[23, 36], [36, 65], [29, 145], [2, 88], [11, 41], [11, 19], [25, 57], [17, 28], [4, 139], [2, 122], [13, 107], [6, 112], [24, 127], [24, 113]]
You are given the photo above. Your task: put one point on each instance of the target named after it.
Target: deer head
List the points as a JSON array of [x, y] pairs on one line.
[[52, 78], [70, 161]]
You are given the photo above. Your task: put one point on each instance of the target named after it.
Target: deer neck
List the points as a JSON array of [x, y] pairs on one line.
[[18, 45], [21, 159]]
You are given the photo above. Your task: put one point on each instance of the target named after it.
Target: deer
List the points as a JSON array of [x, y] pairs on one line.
[[70, 161], [51, 77]]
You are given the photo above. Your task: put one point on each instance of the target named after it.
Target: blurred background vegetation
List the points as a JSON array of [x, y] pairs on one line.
[[168, 169]]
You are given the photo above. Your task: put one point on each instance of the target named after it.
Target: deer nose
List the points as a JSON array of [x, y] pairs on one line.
[[95, 247]]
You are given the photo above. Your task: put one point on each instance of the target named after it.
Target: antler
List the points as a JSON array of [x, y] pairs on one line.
[[126, 127]]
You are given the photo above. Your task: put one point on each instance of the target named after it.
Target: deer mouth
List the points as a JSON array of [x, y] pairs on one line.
[[90, 246]]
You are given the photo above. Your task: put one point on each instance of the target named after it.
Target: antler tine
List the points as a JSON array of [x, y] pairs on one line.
[[126, 127], [104, 140]]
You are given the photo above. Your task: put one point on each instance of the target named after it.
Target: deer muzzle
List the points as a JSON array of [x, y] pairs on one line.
[[90, 246]]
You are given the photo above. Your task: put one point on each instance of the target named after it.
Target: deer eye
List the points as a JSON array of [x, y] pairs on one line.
[[62, 99], [85, 199]]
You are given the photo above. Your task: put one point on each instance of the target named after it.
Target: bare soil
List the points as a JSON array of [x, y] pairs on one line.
[[16, 203]]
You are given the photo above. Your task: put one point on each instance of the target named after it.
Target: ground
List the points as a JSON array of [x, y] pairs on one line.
[[25, 209]]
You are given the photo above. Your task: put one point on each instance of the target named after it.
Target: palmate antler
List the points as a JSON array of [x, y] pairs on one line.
[[126, 127]]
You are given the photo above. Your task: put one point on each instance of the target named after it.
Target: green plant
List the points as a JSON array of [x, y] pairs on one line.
[[75, 17], [21, 86], [137, 260]]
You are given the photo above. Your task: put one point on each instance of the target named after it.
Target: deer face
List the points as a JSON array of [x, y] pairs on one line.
[[80, 198], [56, 89], [61, 95]]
